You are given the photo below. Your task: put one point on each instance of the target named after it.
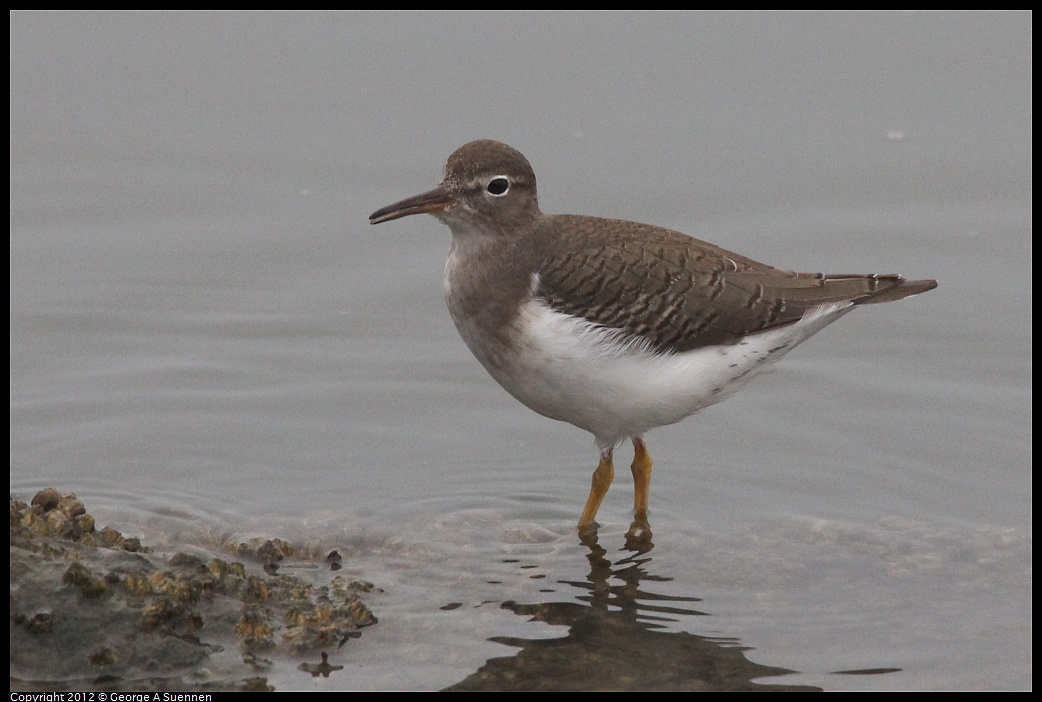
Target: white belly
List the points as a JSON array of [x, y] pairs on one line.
[[569, 369]]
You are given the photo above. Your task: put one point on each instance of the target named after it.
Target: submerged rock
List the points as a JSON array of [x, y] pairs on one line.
[[94, 610]]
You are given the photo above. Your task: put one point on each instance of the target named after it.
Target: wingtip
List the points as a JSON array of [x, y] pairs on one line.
[[906, 288], [914, 287]]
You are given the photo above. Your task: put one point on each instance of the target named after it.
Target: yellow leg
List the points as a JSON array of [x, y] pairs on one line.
[[641, 468], [602, 478]]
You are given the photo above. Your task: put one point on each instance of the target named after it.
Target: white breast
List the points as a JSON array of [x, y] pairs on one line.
[[566, 368]]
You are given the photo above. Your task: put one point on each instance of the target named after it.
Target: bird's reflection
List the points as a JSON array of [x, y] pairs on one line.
[[617, 638]]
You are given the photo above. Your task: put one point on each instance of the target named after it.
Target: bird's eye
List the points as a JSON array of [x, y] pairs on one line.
[[498, 186]]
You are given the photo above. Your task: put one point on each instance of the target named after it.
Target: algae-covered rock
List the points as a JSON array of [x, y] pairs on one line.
[[94, 610]]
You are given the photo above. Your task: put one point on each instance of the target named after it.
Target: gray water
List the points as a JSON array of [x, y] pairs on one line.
[[207, 337]]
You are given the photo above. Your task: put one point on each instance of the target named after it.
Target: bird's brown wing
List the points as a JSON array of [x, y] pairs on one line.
[[679, 293]]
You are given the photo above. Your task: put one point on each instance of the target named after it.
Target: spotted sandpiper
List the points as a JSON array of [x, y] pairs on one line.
[[614, 326]]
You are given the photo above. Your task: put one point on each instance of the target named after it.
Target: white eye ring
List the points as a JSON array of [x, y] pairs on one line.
[[498, 186]]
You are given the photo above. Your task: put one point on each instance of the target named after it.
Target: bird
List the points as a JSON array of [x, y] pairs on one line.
[[614, 326]]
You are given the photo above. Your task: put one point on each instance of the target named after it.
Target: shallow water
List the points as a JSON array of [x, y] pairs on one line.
[[209, 342]]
